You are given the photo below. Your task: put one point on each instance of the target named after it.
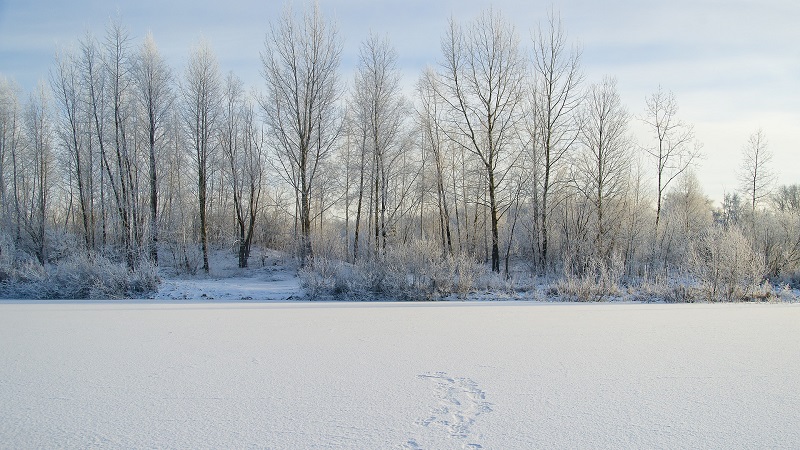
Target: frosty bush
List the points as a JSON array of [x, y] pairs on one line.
[[61, 245], [404, 273], [725, 266], [791, 279], [186, 258], [328, 244], [79, 277], [679, 287], [600, 279], [7, 251]]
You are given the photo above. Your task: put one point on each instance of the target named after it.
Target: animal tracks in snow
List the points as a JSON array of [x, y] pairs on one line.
[[459, 402]]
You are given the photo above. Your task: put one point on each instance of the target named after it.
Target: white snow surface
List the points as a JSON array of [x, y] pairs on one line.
[[449, 375], [271, 276], [281, 285]]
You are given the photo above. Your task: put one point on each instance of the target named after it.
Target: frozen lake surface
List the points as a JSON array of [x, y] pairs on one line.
[[496, 375]]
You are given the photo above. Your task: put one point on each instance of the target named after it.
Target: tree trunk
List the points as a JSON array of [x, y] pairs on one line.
[[494, 222], [201, 184], [153, 194]]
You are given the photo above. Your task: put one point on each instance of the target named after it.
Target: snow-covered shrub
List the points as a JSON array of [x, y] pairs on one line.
[[785, 293], [80, 277], [468, 273], [600, 279], [764, 292], [186, 258], [319, 279], [7, 251], [328, 244], [99, 278], [144, 280], [791, 279], [410, 272], [417, 273], [725, 266], [678, 287], [496, 283], [61, 245]]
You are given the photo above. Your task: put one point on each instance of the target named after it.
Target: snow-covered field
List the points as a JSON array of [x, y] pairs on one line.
[[386, 375]]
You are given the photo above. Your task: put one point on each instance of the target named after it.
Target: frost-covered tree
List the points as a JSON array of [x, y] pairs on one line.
[[121, 165], [674, 148], [687, 214], [380, 106], [556, 96], [10, 145], [154, 92], [756, 176], [242, 145], [601, 169], [483, 78], [38, 129], [95, 97], [783, 227], [202, 92], [787, 198], [430, 121], [730, 212], [300, 67], [65, 81]]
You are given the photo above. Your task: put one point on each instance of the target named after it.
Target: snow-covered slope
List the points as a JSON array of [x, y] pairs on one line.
[[272, 276], [384, 375], [282, 285]]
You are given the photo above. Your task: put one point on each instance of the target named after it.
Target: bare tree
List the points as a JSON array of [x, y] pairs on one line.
[[346, 155], [357, 132], [243, 148], [687, 213], [39, 133], [674, 150], [94, 82], [301, 61], [636, 218], [756, 179], [602, 168], [730, 212], [430, 121], [787, 199], [755, 175], [155, 95], [117, 66], [483, 78], [202, 96], [379, 101], [786, 203], [9, 150], [555, 96], [65, 81]]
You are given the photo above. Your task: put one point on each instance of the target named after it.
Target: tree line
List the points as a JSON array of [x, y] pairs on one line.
[[503, 153]]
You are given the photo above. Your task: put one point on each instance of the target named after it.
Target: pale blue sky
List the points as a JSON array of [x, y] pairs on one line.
[[733, 65]]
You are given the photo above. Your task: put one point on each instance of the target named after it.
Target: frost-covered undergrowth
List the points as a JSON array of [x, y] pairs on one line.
[[69, 273], [409, 273], [452, 375], [412, 274], [77, 277], [717, 273]]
